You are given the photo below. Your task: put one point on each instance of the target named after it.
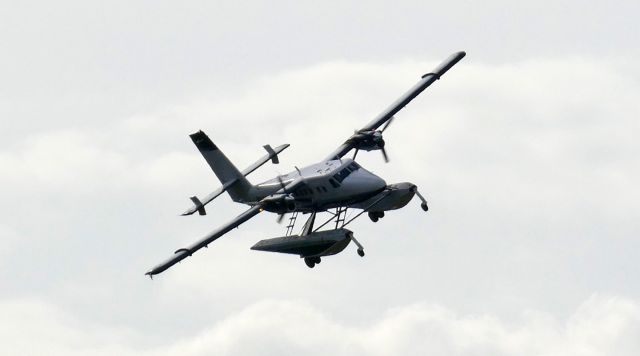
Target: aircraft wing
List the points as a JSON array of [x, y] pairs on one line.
[[402, 101], [183, 253]]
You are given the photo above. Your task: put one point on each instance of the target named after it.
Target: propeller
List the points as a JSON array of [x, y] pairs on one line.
[[384, 155], [388, 123], [376, 137], [282, 185], [384, 152], [382, 149]]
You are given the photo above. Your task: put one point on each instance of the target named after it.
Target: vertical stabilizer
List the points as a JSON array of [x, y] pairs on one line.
[[239, 187]]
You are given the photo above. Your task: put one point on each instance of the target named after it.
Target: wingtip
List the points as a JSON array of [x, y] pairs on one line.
[[189, 211], [457, 56]]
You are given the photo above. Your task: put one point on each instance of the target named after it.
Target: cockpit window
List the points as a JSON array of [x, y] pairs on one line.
[[340, 176], [334, 183], [344, 173]]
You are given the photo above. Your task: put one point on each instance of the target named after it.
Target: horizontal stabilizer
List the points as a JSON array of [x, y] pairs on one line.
[[272, 155], [199, 205]]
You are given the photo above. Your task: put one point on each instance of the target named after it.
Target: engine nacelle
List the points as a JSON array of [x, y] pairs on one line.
[[280, 204], [368, 140]]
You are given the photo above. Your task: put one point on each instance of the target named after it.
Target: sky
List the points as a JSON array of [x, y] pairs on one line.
[[525, 151]]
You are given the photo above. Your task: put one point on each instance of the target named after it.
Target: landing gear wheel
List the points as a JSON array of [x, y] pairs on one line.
[[373, 216], [424, 206], [309, 262], [317, 260], [361, 252]]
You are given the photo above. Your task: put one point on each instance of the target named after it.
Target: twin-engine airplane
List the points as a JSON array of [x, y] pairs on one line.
[[336, 183]]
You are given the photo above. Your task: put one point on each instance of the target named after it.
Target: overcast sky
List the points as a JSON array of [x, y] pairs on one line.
[[526, 151]]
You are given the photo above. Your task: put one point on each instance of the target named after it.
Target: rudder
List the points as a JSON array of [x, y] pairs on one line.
[[227, 173]]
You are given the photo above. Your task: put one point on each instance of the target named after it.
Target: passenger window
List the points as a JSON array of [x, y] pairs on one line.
[[334, 183]]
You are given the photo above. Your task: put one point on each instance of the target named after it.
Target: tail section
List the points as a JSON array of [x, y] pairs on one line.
[[239, 187]]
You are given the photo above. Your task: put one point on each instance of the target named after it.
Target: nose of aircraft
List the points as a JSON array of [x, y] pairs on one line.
[[378, 182], [365, 182]]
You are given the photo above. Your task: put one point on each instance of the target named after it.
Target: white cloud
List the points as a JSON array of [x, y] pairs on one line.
[[34, 327], [9, 238], [600, 326], [532, 153], [58, 161], [531, 177], [79, 163], [530, 167], [572, 117]]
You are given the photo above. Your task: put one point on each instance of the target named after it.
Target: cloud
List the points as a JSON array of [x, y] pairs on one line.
[[9, 238], [523, 163], [601, 325], [538, 115], [530, 167], [77, 163], [35, 327], [530, 178]]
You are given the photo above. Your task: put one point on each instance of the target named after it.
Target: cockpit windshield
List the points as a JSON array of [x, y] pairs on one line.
[[345, 172]]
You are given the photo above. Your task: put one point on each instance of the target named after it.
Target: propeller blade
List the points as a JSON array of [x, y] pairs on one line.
[[384, 155], [282, 185], [387, 124]]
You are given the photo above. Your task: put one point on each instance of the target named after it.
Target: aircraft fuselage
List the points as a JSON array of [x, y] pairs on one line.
[[326, 185]]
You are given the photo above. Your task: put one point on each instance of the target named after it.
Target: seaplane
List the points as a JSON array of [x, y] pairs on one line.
[[332, 186]]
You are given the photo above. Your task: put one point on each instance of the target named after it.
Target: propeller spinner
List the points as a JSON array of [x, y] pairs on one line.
[[371, 140]]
